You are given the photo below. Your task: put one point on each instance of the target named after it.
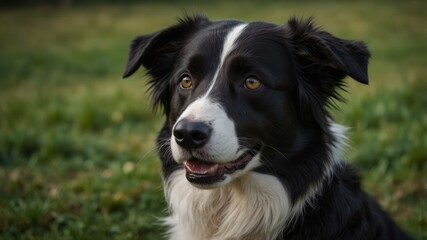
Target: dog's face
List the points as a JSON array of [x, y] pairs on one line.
[[237, 95], [225, 91]]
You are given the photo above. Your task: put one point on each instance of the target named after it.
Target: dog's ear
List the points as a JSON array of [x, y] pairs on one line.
[[158, 52], [320, 49], [136, 50], [322, 63]]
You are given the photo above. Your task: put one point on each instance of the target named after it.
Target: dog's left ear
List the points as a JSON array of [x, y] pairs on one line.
[[322, 61], [321, 49]]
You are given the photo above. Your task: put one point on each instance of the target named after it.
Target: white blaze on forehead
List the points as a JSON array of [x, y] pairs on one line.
[[228, 46]]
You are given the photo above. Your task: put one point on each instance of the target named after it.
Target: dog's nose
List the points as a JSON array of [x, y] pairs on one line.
[[190, 134]]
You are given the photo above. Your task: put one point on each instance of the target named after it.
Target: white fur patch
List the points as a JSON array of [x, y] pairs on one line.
[[223, 144], [254, 206], [339, 132]]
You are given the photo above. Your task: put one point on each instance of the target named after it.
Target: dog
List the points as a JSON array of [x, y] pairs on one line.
[[249, 149]]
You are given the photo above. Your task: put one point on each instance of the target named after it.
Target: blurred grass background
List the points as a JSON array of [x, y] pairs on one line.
[[77, 155]]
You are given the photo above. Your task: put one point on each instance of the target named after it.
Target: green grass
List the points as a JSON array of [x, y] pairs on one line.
[[77, 154]]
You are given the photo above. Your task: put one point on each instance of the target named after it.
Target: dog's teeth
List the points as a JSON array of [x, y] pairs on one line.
[[213, 169]]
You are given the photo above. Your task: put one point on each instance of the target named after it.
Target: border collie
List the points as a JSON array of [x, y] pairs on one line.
[[249, 149]]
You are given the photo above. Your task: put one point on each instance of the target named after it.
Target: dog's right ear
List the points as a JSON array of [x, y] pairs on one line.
[[158, 49], [158, 53], [136, 50]]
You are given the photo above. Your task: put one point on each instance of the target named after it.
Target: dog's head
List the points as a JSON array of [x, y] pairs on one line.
[[239, 96]]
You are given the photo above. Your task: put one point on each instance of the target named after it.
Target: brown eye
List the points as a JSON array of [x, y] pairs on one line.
[[252, 83], [186, 82]]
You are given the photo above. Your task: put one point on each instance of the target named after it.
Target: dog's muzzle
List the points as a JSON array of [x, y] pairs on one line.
[[193, 136]]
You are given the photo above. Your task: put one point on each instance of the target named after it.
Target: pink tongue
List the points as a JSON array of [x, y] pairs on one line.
[[199, 166]]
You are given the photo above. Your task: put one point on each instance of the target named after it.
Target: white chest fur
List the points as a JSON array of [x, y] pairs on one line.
[[254, 206]]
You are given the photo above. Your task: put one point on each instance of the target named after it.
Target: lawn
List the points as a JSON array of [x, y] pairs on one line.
[[77, 154]]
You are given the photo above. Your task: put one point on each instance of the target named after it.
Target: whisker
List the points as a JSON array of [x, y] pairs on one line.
[[146, 154], [162, 147]]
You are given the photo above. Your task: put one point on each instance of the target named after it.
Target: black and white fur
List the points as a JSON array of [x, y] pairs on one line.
[[241, 162]]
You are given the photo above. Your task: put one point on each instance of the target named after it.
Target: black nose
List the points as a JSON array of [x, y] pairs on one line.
[[191, 135]]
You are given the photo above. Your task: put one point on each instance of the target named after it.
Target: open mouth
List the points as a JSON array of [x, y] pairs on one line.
[[205, 173]]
